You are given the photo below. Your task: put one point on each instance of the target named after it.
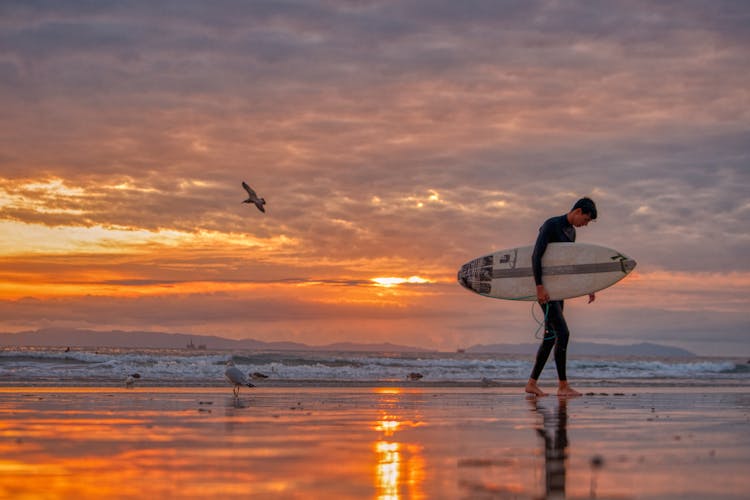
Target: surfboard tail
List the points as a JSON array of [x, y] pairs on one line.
[[477, 275]]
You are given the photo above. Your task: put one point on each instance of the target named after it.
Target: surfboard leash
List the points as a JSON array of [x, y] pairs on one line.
[[542, 324]]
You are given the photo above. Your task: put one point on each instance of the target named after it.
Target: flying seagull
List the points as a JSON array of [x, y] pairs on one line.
[[236, 377], [253, 198]]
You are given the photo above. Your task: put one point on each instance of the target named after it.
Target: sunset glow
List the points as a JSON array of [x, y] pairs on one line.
[[392, 281], [252, 249], [391, 147]]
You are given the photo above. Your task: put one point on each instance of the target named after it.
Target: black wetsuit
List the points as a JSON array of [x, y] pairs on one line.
[[554, 230]]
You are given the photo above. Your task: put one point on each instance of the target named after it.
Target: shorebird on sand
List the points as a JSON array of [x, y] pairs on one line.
[[236, 377], [130, 379], [253, 198]]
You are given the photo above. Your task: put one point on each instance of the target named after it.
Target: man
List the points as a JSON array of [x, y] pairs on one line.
[[555, 230]]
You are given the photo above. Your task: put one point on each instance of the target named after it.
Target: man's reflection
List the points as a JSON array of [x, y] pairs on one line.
[[553, 430]]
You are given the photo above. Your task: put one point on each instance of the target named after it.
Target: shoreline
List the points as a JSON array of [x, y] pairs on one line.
[[373, 442], [549, 384]]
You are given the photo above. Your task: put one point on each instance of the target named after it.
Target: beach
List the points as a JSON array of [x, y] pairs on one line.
[[373, 442]]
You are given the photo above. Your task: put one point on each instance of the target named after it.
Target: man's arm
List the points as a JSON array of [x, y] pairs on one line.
[[536, 262]]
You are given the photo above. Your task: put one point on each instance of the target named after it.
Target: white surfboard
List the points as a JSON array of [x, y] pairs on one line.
[[568, 270]]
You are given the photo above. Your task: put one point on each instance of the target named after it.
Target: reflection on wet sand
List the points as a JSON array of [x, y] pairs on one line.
[[387, 470], [553, 429], [368, 443], [399, 466]]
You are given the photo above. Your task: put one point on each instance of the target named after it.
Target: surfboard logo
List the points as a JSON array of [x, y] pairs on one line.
[[626, 264], [509, 259]]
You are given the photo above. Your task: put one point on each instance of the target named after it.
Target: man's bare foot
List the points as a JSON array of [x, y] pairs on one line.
[[534, 389], [566, 391]]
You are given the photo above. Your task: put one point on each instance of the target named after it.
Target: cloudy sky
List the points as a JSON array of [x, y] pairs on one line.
[[391, 139]]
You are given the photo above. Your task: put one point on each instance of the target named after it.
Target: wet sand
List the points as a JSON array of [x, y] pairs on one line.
[[450, 443]]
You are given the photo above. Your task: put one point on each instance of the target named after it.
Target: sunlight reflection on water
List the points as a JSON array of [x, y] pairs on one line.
[[367, 443]]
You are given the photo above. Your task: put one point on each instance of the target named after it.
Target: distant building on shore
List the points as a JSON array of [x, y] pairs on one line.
[[190, 345]]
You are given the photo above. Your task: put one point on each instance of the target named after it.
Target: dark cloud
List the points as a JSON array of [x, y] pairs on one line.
[[406, 135]]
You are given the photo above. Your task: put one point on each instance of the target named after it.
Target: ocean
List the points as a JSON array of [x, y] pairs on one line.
[[21, 366]]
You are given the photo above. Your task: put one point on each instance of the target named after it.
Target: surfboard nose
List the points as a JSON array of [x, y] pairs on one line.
[[628, 265]]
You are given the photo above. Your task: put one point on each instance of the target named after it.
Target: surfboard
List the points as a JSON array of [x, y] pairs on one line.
[[568, 270]]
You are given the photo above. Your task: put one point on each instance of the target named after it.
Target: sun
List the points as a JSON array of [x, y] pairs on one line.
[[393, 281]]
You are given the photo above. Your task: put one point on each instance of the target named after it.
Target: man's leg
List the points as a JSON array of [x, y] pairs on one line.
[[542, 355], [557, 324]]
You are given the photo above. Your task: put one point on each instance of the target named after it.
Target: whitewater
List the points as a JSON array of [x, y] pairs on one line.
[[184, 367]]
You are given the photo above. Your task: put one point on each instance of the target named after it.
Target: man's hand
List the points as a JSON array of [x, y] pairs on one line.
[[541, 294], [592, 297]]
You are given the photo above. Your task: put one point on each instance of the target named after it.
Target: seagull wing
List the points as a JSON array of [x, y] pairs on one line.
[[235, 376], [249, 190]]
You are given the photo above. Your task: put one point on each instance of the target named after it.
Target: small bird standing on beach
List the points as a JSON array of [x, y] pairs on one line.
[[488, 382], [253, 198], [130, 380], [236, 377]]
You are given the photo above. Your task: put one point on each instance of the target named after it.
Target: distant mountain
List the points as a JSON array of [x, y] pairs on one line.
[[382, 347], [62, 337], [643, 349]]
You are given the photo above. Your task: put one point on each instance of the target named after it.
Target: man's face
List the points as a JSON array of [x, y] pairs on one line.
[[579, 218]]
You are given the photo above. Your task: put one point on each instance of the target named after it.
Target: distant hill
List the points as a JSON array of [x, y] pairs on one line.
[[643, 349], [62, 337]]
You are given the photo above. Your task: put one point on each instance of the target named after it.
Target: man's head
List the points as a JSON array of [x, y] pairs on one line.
[[583, 212]]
